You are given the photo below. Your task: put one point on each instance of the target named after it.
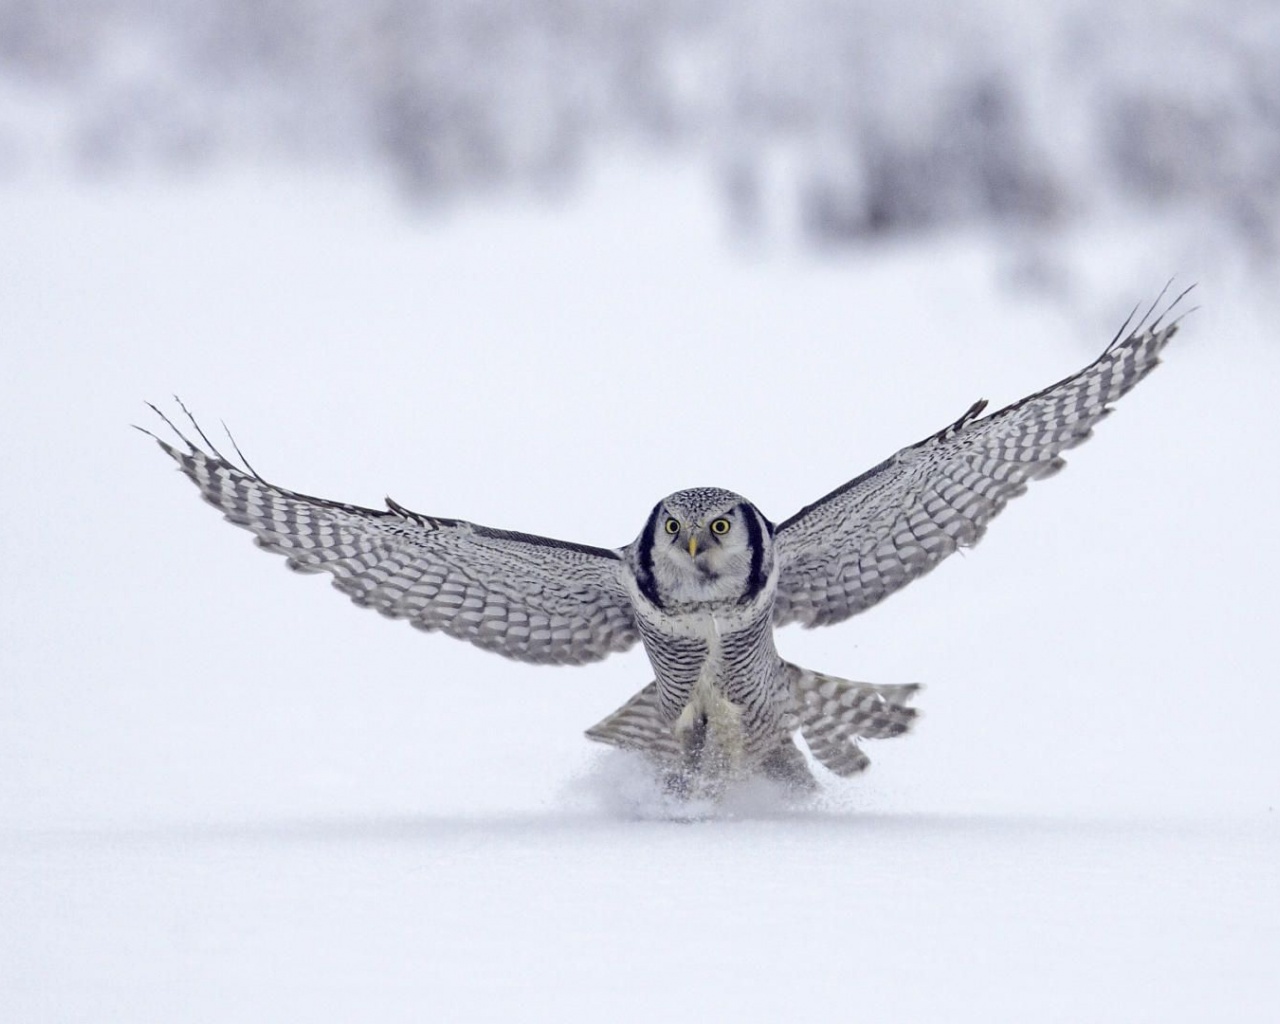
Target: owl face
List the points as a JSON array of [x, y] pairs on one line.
[[707, 545]]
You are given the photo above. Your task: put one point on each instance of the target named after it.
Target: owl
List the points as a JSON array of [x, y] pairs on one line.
[[705, 584]]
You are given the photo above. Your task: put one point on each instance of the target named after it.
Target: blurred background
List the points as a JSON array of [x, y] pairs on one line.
[[536, 264], [825, 122]]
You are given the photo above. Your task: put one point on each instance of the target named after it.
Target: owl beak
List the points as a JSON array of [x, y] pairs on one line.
[[693, 547]]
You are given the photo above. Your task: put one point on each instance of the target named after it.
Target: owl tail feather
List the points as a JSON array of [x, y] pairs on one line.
[[832, 714], [835, 713], [639, 725]]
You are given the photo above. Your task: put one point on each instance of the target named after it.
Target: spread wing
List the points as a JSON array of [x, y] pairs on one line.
[[866, 539], [526, 597]]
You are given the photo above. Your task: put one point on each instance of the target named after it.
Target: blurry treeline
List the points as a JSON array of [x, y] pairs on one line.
[[837, 119]]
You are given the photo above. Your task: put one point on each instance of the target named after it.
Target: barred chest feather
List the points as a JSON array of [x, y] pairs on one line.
[[719, 676]]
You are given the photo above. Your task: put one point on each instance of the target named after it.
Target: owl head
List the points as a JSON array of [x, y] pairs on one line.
[[704, 545]]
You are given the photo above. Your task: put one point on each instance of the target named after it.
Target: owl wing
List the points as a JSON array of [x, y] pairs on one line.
[[526, 597], [878, 532]]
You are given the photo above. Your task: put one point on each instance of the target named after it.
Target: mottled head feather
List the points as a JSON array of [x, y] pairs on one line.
[[698, 504]]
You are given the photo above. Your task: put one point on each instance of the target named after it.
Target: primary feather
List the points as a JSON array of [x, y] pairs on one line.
[[529, 598], [875, 534]]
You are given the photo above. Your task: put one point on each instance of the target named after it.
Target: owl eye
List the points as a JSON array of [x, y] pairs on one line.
[[719, 527], [673, 527]]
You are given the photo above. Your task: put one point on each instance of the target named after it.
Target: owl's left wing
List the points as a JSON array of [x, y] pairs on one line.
[[878, 532], [529, 598]]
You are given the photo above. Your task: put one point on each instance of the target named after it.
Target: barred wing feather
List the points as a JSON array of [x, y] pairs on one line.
[[872, 536], [525, 597]]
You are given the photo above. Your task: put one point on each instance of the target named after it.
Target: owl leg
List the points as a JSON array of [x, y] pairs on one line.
[[701, 770], [786, 765]]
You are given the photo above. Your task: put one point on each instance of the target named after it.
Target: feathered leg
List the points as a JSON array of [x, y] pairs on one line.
[[786, 765]]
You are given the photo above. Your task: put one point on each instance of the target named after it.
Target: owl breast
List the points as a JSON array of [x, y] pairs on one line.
[[721, 684]]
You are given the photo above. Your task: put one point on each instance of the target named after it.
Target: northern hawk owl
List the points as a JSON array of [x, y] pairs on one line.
[[706, 582]]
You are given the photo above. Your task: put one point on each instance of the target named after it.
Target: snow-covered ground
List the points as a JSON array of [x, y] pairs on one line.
[[226, 795]]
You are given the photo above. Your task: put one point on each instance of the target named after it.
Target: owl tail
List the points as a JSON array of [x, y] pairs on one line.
[[832, 713], [835, 713], [639, 725]]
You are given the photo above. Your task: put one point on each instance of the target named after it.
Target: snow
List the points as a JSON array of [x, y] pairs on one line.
[[226, 795]]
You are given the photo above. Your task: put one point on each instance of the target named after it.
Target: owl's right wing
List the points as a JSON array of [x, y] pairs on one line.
[[529, 598], [875, 534]]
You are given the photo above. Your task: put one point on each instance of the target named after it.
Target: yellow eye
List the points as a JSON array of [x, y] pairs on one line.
[[673, 527], [719, 527]]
